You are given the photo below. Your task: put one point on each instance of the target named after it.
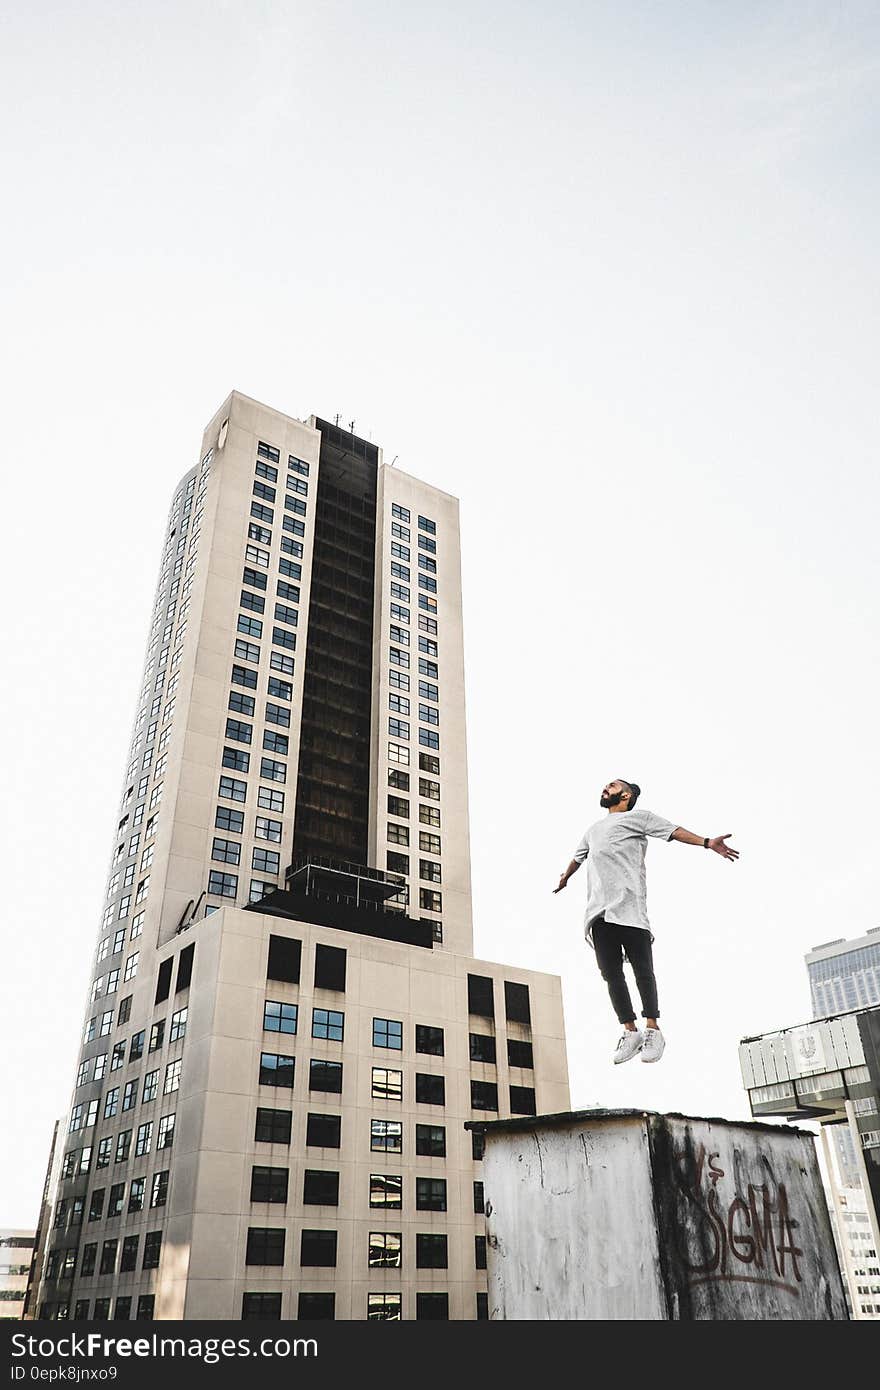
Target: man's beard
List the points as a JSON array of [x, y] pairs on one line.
[[606, 802]]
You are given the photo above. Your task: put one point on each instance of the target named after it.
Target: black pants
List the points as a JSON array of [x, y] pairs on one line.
[[611, 941]]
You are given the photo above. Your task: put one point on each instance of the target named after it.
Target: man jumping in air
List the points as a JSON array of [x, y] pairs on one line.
[[616, 918]]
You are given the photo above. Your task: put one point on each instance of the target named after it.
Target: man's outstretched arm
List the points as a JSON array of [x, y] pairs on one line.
[[572, 869], [685, 837]]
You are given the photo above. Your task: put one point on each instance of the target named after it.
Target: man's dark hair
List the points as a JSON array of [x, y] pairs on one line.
[[634, 790]]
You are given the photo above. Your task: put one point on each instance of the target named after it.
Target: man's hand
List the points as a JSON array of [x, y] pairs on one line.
[[721, 848], [566, 875]]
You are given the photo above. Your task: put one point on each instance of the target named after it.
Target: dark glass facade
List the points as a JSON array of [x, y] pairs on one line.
[[332, 800]]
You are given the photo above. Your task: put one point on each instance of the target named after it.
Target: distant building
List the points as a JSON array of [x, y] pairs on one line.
[[845, 974], [16, 1253], [829, 1071]]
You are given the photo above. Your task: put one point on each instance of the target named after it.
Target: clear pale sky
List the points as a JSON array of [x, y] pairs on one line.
[[608, 273]]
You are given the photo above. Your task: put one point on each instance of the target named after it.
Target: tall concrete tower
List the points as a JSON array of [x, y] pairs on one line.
[[286, 1027]]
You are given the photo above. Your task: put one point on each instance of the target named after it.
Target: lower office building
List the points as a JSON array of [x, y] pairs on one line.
[[16, 1253]]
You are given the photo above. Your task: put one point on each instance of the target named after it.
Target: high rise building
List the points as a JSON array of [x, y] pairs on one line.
[[286, 1027], [845, 974]]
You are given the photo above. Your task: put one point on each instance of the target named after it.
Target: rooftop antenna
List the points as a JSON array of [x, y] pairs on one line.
[[394, 460], [336, 419], [351, 426]]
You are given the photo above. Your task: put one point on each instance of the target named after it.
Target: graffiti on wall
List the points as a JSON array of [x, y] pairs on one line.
[[735, 1226]]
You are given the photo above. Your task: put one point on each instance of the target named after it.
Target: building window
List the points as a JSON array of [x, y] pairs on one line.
[[128, 1261], [431, 1250], [145, 1306], [276, 1070], [241, 704], [315, 1307], [478, 1144], [265, 1246], [387, 1084], [396, 863], [430, 900], [226, 851], [480, 1252], [430, 1194], [320, 1188], [269, 1184], [325, 1076], [178, 1024], [318, 1248], [228, 819], [136, 1194], [400, 513], [330, 967], [151, 1086], [165, 1135], [484, 1095], [431, 1141], [479, 1199], [516, 1002], [387, 1032], [397, 834], [241, 761], [428, 763], [432, 1307], [522, 1100], [386, 1190], [481, 999], [385, 1250], [482, 1047], [386, 1136], [222, 885], [172, 1077], [398, 779], [269, 799], [145, 1134], [273, 1126], [278, 1017], [383, 1307], [430, 1090], [323, 1131], [328, 1023], [398, 753], [108, 1257], [429, 871], [261, 1307], [519, 1053], [285, 955]]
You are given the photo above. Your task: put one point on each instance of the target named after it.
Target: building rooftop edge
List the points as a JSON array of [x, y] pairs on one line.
[[810, 1022], [564, 1117]]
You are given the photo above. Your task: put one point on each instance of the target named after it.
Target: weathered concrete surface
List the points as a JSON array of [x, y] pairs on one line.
[[629, 1215]]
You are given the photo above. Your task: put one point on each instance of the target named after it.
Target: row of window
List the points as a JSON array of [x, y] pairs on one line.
[[60, 1312], [278, 1069], [400, 707], [317, 1248], [285, 961], [330, 1023], [266, 1307], [270, 1186], [61, 1264], [85, 1116], [94, 1068], [324, 1131], [71, 1210]]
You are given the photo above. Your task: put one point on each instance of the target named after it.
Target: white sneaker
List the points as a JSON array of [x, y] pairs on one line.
[[628, 1044], [653, 1045]]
